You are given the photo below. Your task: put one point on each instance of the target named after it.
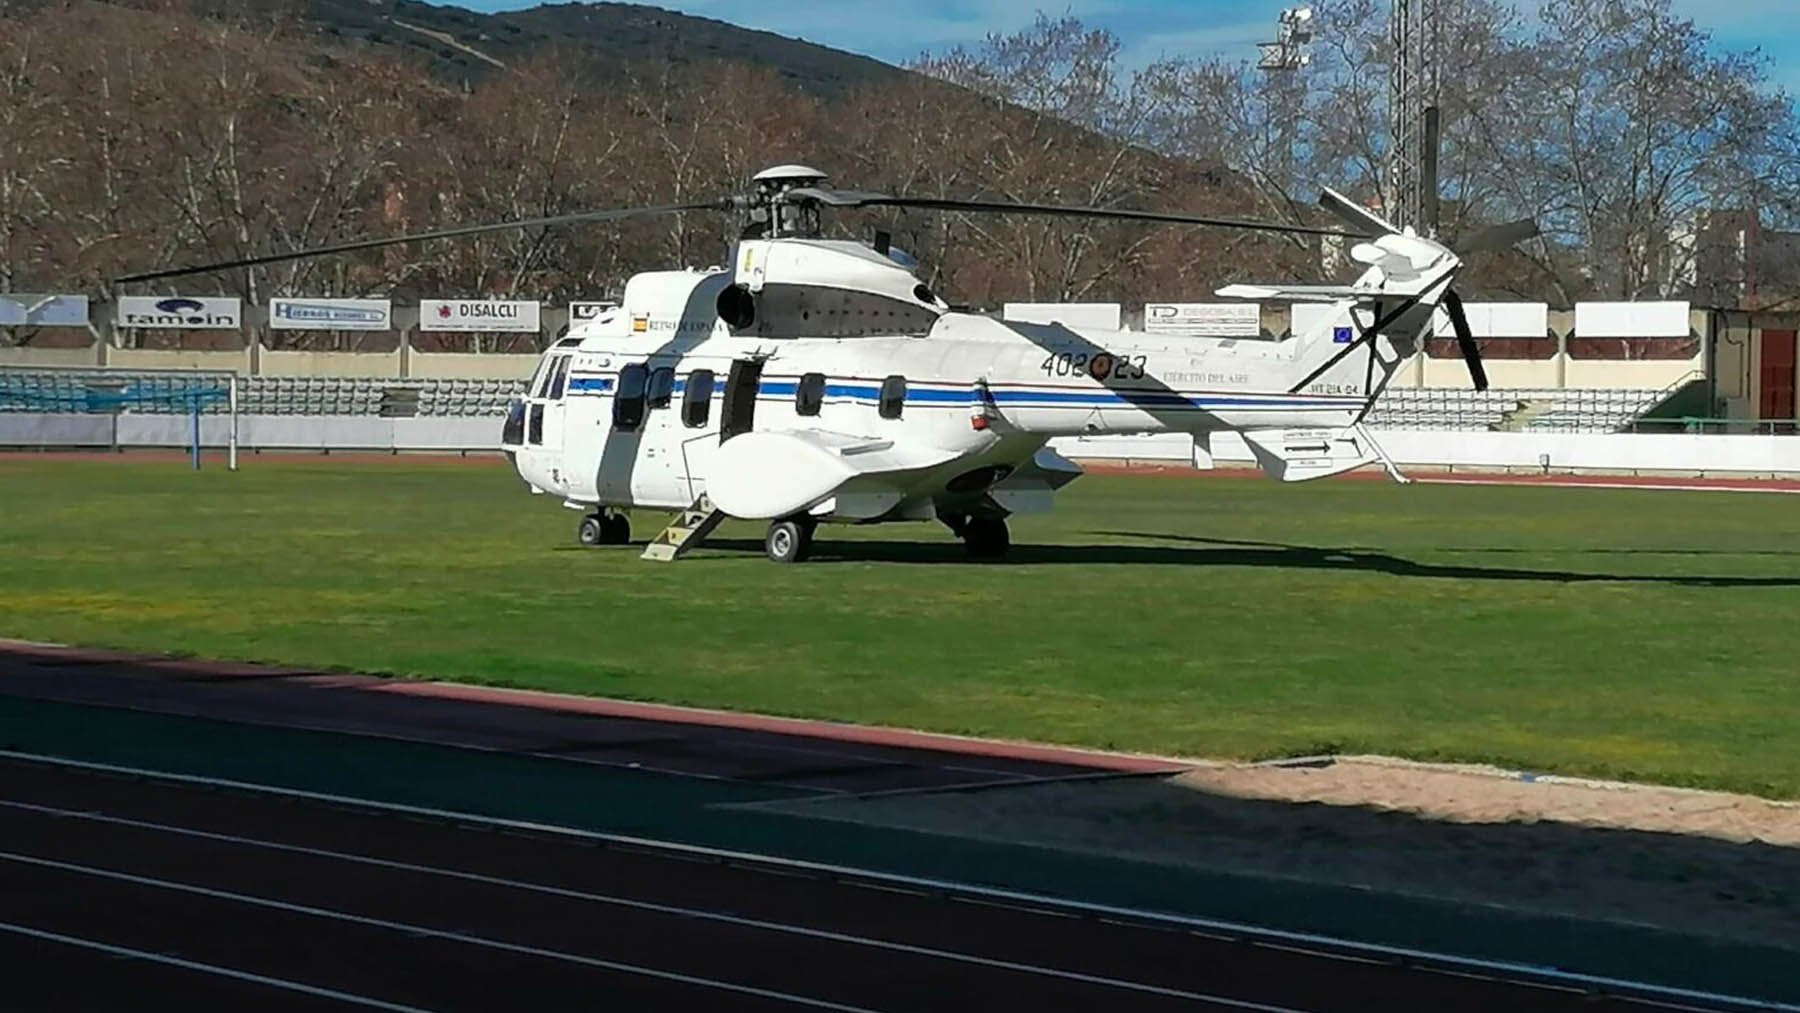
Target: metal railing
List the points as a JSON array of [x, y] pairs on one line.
[[1718, 426]]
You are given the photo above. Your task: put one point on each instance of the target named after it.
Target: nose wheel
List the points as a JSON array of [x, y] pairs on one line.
[[604, 529], [789, 541]]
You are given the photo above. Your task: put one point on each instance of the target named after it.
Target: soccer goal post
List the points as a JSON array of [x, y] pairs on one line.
[[80, 408]]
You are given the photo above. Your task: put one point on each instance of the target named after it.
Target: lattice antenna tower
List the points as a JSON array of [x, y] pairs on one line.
[[1413, 112]]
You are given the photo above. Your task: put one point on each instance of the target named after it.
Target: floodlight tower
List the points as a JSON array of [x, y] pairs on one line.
[[1413, 113], [1279, 60]]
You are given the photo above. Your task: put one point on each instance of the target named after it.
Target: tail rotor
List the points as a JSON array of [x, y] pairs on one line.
[[1397, 250]]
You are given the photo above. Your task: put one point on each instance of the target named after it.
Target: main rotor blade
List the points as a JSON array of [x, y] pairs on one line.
[[419, 237], [852, 199], [1465, 339], [1363, 221], [1498, 237]]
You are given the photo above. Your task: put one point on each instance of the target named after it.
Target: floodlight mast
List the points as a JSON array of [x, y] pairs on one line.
[[1412, 169], [1293, 30]]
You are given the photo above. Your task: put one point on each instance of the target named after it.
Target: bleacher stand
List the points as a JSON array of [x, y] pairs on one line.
[[1526, 410], [1521, 410], [149, 393], [281, 395]]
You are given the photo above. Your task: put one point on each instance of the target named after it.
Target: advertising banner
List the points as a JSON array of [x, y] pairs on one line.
[[478, 315], [1204, 319], [331, 315], [582, 312], [190, 313], [18, 309], [1631, 320], [1499, 320]]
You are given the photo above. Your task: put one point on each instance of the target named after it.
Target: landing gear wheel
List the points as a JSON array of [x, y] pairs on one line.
[[616, 530], [789, 541], [592, 530], [986, 537], [604, 529]]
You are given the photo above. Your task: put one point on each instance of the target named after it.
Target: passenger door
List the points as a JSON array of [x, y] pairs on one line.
[[657, 480], [732, 415]]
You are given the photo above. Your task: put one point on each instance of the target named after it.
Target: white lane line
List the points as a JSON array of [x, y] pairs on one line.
[[1510, 971], [650, 906], [430, 933], [214, 969]]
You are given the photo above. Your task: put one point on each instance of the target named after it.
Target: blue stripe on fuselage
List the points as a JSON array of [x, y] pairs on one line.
[[1025, 398]]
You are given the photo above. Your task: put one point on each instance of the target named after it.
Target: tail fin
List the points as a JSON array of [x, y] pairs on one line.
[[1374, 324]]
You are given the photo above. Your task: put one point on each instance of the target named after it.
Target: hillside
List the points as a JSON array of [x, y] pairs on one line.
[[307, 123], [463, 45]]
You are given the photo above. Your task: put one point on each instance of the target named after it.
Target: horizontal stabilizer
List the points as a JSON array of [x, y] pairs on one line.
[[1300, 455], [1293, 293]]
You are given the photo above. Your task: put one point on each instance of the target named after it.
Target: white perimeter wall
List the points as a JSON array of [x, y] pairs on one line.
[[1671, 453], [255, 432], [1676, 453]]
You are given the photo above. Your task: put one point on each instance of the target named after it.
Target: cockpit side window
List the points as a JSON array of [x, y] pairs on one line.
[[541, 379], [559, 376], [809, 396], [628, 405]]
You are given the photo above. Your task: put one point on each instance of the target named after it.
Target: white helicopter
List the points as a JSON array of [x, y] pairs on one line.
[[818, 380]]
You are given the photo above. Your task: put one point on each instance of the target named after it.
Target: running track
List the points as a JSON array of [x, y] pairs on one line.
[[115, 889]]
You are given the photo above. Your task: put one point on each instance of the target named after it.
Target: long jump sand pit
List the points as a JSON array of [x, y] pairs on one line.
[[1706, 863]]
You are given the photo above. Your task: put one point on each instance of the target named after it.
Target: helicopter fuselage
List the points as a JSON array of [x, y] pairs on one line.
[[948, 416]]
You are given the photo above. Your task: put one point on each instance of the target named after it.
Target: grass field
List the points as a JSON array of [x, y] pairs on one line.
[[1636, 634]]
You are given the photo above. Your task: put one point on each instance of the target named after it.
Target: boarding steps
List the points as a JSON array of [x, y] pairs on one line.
[[687, 530]]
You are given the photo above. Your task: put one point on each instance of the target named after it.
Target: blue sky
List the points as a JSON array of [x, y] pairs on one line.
[[898, 30]]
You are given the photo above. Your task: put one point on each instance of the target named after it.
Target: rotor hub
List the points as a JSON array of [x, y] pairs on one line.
[[772, 213]]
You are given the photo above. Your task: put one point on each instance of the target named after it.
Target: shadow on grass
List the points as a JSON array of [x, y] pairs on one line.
[[1210, 552]]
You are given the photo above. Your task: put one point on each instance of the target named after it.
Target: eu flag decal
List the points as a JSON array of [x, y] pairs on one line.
[[1340, 335]]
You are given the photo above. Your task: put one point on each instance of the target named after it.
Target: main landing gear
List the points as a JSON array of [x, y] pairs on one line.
[[790, 540], [985, 536], [604, 529]]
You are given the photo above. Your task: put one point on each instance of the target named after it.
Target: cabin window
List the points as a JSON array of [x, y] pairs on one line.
[[810, 395], [559, 376], [662, 386], [696, 402], [893, 396], [628, 405]]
